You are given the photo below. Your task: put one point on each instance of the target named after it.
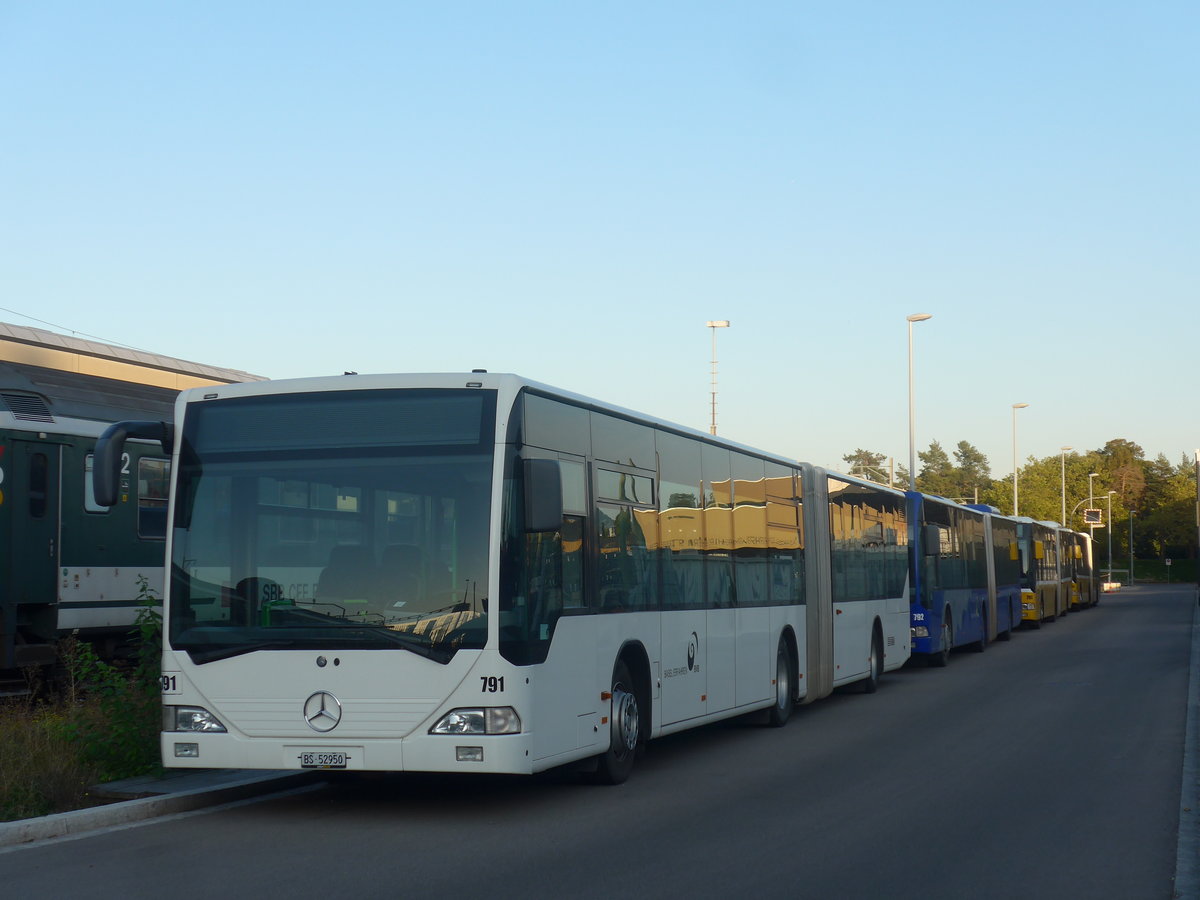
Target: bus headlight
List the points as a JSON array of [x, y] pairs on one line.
[[191, 718], [488, 720], [920, 631]]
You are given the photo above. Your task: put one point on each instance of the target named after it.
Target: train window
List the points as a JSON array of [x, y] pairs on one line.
[[89, 499], [153, 478], [39, 472]]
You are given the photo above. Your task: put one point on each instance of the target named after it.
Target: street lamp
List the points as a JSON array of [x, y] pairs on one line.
[[912, 441], [1132, 513], [1015, 407], [1109, 526], [1064, 484], [714, 325]]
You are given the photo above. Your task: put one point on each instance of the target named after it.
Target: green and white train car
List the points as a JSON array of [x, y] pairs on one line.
[[67, 564]]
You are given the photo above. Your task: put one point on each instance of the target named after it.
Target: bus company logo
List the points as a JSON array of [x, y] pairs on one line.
[[322, 711], [693, 664]]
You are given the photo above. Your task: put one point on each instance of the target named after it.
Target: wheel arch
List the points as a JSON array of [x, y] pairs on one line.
[[637, 660]]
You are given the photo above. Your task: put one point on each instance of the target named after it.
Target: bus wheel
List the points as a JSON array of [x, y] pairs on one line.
[[939, 659], [625, 729], [874, 663], [785, 702]]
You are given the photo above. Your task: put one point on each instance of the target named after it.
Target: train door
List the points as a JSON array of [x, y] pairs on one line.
[[32, 493]]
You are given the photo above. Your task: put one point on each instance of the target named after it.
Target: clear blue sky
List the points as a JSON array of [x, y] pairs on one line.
[[569, 191]]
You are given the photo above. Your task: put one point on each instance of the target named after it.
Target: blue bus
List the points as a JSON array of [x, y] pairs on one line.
[[949, 561], [1004, 573]]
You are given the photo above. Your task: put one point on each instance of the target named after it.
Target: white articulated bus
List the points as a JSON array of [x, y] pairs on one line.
[[479, 573]]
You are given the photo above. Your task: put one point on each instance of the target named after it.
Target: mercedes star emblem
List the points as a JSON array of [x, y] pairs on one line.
[[322, 711]]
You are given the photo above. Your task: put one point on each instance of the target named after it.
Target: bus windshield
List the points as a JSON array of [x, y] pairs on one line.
[[333, 520]]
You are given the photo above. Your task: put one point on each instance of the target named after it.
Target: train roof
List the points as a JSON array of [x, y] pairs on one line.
[[46, 377]]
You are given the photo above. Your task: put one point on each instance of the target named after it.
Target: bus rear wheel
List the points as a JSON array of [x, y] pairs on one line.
[[624, 729], [874, 663]]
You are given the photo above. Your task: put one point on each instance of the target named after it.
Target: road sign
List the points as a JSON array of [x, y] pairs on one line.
[[1092, 517]]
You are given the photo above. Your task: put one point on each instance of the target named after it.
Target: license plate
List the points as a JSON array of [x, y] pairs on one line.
[[322, 759]]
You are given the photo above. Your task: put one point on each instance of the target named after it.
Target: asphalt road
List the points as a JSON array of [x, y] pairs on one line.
[[1047, 767]]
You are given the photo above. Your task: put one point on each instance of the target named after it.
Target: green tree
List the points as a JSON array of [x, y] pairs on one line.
[[974, 471], [1123, 463], [937, 475], [1168, 524]]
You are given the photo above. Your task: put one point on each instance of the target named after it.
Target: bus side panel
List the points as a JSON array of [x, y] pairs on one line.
[[566, 692], [684, 655], [754, 648]]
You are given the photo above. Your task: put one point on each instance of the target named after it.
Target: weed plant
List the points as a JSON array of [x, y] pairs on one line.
[[101, 724]]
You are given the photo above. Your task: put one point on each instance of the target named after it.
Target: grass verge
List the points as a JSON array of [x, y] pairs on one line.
[[98, 723]]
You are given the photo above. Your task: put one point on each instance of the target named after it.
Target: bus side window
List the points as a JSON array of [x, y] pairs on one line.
[[153, 478]]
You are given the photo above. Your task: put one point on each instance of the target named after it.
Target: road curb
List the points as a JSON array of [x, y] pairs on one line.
[[24, 831]]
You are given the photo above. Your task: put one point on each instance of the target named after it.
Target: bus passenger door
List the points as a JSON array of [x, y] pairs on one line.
[[850, 648]]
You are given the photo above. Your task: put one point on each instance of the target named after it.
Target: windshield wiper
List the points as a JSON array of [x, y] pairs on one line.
[[386, 637], [201, 655], [373, 638]]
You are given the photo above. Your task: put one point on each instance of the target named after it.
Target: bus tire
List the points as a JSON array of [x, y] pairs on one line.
[[624, 728], [941, 656], [874, 663], [785, 700]]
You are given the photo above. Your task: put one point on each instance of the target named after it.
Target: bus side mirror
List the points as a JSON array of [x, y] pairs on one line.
[[106, 468], [543, 495]]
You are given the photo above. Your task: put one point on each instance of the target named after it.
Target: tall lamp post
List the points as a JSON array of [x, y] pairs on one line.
[[1132, 513], [1063, 453], [1109, 525], [1015, 407], [912, 418], [714, 325]]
